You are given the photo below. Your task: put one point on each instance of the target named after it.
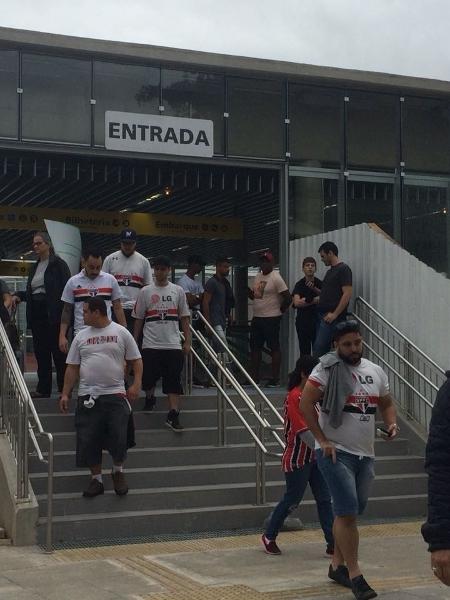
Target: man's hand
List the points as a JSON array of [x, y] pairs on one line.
[[186, 348], [393, 430], [15, 300], [329, 317], [440, 563], [63, 344], [64, 403], [329, 449], [133, 392]]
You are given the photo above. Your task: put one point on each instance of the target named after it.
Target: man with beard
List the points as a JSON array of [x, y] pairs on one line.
[[349, 389]]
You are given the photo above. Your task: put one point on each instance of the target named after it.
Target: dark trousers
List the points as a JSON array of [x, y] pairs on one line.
[[296, 482], [306, 333], [45, 342]]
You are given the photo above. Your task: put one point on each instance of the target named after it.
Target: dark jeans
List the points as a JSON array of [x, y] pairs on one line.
[[306, 333], [296, 482], [45, 342], [324, 335]]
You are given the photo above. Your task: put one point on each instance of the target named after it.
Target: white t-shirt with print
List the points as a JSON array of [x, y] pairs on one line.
[[80, 287], [161, 307], [267, 290], [357, 432], [131, 272], [101, 354]]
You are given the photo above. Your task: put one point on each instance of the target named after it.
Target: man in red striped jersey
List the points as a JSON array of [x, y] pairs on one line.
[[299, 464], [158, 311], [349, 389], [90, 281]]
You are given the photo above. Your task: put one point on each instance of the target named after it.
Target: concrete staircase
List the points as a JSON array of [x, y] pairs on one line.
[[184, 483]]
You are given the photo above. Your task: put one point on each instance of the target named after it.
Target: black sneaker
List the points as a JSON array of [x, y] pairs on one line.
[[330, 550], [340, 575], [361, 589], [272, 383], [173, 420], [150, 403], [120, 483], [95, 488]]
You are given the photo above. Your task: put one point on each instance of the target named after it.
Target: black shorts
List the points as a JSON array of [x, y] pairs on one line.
[[265, 330], [165, 364], [105, 426]]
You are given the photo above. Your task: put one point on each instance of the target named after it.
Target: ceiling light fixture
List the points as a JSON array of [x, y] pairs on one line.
[[259, 250], [179, 248], [272, 222]]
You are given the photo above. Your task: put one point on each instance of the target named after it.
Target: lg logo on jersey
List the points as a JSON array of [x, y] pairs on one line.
[[367, 379], [166, 298]]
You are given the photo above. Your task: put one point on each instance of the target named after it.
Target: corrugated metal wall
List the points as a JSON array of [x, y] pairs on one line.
[[412, 296]]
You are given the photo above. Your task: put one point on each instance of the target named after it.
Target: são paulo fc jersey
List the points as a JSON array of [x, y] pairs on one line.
[[357, 432], [161, 307], [80, 287], [131, 272]]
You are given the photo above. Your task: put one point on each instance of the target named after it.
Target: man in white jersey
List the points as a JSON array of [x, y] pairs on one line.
[[97, 357], [158, 311], [131, 270], [192, 286], [90, 281], [345, 432]]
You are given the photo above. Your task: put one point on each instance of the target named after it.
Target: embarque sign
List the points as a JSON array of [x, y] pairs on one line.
[[155, 134]]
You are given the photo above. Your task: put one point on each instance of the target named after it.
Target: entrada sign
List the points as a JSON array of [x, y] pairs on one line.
[[133, 132]]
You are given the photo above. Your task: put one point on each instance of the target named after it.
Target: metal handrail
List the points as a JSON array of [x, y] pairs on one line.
[[398, 332], [229, 353], [416, 376], [21, 423]]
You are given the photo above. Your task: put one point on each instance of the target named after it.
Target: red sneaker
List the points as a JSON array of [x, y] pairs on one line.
[[270, 546]]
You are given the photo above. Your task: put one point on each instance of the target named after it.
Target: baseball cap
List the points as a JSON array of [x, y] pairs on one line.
[[128, 235], [268, 256], [161, 261]]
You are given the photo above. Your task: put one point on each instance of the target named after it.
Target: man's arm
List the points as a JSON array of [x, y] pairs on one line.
[[187, 334], [388, 414], [118, 312], [66, 320], [207, 296], [137, 368], [137, 331], [343, 303], [310, 396], [70, 378], [285, 300]]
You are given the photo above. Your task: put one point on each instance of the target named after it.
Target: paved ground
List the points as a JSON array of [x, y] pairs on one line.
[[393, 556]]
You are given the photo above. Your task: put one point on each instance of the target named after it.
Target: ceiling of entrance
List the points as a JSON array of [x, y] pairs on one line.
[[45, 181]]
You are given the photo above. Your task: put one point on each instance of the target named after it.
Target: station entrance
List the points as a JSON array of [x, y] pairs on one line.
[[198, 209]]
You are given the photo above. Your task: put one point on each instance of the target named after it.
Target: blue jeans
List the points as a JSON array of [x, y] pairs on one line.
[[324, 335], [296, 482], [349, 481]]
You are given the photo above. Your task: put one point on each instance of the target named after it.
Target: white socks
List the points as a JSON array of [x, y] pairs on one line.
[[98, 477], [117, 468]]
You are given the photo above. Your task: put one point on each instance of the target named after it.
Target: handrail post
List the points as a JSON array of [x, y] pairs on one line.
[[221, 406], [260, 461], [188, 368], [49, 537], [409, 400]]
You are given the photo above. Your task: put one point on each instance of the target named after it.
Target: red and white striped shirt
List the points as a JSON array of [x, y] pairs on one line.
[[296, 454]]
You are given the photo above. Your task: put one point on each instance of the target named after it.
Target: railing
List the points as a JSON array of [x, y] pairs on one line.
[[415, 377], [223, 369], [20, 422]]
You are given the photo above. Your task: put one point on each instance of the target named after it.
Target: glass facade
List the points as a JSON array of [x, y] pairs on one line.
[[426, 135], [350, 149], [255, 125], [127, 88], [9, 103], [315, 128], [372, 131], [196, 96], [312, 206], [56, 99]]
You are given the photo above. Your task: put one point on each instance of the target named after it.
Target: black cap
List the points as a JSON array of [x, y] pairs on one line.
[[161, 261], [195, 259], [128, 235]]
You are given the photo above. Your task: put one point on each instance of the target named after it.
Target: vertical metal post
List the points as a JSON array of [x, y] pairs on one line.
[[260, 461], [188, 367], [49, 538], [408, 375], [221, 406]]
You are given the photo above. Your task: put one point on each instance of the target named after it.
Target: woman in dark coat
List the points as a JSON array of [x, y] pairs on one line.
[[46, 281]]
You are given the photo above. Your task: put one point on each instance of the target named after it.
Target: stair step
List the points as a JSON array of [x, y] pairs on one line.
[[116, 525], [206, 495]]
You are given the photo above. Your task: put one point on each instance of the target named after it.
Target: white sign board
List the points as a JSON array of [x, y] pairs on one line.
[[66, 241], [132, 132]]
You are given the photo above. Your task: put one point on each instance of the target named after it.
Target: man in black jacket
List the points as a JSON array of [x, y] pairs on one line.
[[436, 531]]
